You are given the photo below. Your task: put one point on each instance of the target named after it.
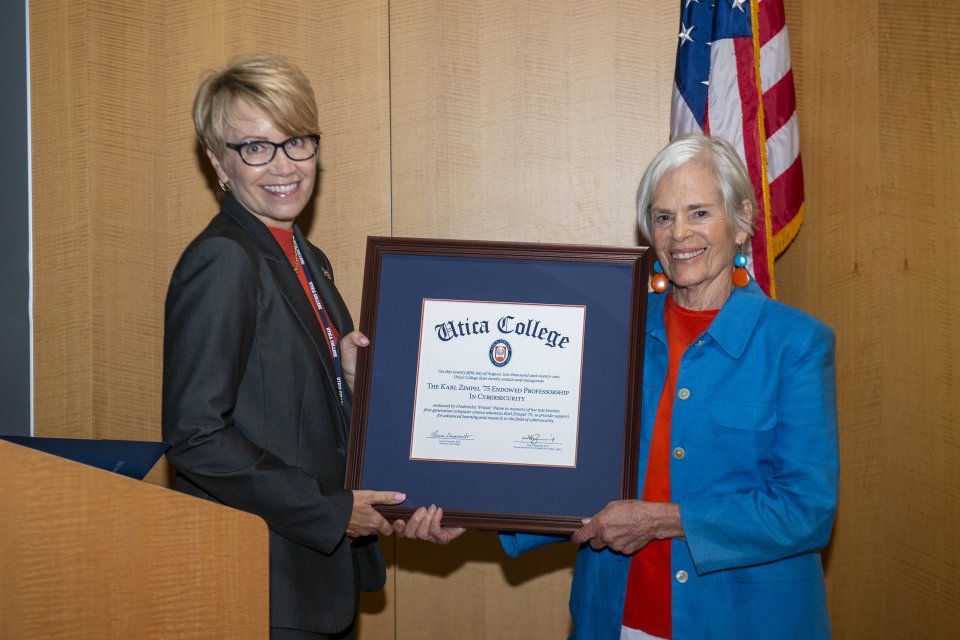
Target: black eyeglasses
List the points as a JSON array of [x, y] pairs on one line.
[[257, 153]]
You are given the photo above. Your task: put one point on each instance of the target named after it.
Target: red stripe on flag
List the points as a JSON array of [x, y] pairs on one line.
[[786, 196], [772, 19], [750, 105], [706, 120], [779, 103]]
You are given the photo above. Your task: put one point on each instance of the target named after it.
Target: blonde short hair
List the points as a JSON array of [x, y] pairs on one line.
[[270, 84]]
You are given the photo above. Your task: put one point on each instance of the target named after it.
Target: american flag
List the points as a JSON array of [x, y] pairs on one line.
[[733, 80]]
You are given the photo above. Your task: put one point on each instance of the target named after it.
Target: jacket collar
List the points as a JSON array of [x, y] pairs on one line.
[[289, 284], [253, 226], [732, 327]]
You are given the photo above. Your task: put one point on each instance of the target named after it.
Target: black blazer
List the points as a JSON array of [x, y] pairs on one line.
[[251, 409]]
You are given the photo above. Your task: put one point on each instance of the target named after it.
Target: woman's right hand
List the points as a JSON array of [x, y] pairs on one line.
[[424, 524], [364, 519]]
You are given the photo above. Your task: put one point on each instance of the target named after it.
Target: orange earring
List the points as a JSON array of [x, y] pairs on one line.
[[659, 281]]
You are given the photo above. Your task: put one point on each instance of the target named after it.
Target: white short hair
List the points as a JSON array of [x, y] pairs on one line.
[[728, 170]]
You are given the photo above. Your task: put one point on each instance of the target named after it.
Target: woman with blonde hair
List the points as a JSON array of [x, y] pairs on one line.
[[260, 355]]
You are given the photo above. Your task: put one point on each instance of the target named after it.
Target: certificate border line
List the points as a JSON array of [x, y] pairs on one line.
[[576, 433]]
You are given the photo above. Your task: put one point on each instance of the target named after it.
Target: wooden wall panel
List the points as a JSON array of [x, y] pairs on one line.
[[62, 261], [876, 259], [471, 590], [835, 271], [124, 132], [527, 121], [920, 155]]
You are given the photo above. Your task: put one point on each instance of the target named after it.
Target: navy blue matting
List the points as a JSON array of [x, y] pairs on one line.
[[603, 288]]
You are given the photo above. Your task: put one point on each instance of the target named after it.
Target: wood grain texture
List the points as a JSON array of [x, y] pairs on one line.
[[62, 252], [526, 120], [837, 90], [88, 554], [471, 590], [920, 153], [876, 260]]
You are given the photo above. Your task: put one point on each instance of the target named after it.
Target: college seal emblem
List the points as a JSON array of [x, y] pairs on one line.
[[500, 353]]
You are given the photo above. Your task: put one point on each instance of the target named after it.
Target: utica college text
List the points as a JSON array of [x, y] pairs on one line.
[[506, 325]]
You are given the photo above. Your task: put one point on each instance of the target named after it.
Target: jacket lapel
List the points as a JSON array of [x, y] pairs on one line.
[[333, 304], [290, 289]]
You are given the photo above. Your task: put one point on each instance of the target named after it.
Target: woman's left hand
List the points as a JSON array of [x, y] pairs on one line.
[[350, 344], [424, 524], [626, 526]]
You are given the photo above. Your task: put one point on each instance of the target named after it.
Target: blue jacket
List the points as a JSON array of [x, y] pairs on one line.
[[754, 470]]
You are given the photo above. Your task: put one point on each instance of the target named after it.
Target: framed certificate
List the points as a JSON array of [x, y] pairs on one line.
[[503, 379]]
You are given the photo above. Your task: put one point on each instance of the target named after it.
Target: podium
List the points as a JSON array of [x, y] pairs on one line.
[[86, 553]]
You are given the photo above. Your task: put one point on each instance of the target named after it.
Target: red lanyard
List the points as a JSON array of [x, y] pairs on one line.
[[324, 322]]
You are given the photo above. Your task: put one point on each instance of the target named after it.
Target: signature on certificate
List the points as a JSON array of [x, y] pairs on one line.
[[436, 434], [537, 438]]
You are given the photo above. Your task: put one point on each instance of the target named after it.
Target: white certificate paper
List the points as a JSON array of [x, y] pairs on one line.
[[498, 383]]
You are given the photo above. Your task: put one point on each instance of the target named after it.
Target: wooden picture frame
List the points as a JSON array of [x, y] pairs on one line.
[[608, 283]]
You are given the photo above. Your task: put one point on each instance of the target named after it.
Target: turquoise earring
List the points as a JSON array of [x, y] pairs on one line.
[[740, 276]]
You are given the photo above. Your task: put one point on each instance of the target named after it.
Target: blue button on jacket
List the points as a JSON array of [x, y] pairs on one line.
[[757, 484]]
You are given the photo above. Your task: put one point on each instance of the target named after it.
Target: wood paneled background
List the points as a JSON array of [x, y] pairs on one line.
[[522, 120]]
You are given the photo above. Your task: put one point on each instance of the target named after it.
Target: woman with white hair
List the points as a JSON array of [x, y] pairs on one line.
[[738, 448]]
